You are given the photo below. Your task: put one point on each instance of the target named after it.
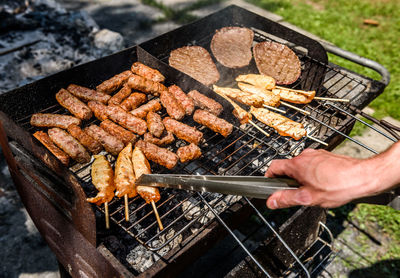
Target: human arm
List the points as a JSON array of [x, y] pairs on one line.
[[331, 180]]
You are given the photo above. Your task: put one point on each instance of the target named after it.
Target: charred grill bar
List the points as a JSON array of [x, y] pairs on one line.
[[193, 222]]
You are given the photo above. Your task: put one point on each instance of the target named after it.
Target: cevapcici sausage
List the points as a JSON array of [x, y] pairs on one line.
[[99, 110], [121, 95], [85, 139], [206, 103], [184, 100], [144, 85], [163, 141], [147, 72], [114, 83], [183, 131], [133, 101], [174, 109], [118, 131], [213, 122], [154, 124], [158, 155], [188, 153], [53, 120], [127, 120], [87, 94], [46, 141], [141, 112], [110, 143], [69, 145], [73, 105]]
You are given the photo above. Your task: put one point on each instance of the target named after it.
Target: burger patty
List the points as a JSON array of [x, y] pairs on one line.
[[278, 61], [231, 46]]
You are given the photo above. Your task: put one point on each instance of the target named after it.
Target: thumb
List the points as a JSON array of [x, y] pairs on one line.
[[289, 198]]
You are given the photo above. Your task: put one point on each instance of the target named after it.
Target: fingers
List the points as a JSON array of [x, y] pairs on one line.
[[289, 198], [279, 167]]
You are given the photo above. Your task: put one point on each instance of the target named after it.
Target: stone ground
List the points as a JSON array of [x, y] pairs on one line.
[[25, 254]]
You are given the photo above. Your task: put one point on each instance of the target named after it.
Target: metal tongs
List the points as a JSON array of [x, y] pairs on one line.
[[249, 186]]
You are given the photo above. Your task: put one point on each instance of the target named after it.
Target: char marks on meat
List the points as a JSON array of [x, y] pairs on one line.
[[57, 152], [154, 124], [183, 131], [196, 62], [188, 153], [53, 120], [231, 46], [85, 139], [158, 155], [73, 105], [126, 120], [119, 132], [86, 94], [206, 103], [147, 72], [167, 139], [183, 99], [110, 143], [214, 123], [174, 109]]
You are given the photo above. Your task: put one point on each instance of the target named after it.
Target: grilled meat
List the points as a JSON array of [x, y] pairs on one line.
[[147, 86], [206, 103], [278, 61], [46, 141], [53, 120], [147, 72], [240, 96], [295, 96], [86, 94], [124, 177], [258, 80], [121, 95], [182, 131], [69, 145], [196, 62], [114, 83], [269, 98], [141, 112], [284, 126], [103, 180], [231, 46], [214, 123], [85, 139], [125, 136], [141, 166], [127, 120], [155, 124], [184, 100], [110, 143], [158, 155], [133, 101], [188, 153], [99, 110], [73, 105], [167, 139], [172, 106]]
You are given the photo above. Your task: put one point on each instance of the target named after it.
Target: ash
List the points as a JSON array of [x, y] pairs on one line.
[[39, 37]]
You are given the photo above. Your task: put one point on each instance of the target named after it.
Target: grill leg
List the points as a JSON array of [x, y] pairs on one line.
[[63, 272]]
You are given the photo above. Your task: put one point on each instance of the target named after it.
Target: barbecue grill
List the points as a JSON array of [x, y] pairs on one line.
[[55, 196]]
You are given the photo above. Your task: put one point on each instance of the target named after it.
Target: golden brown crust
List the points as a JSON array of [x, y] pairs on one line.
[[121, 95], [158, 155], [127, 120], [144, 85], [119, 132], [172, 106], [147, 72], [110, 143], [124, 177], [114, 83], [85, 139], [53, 120], [187, 153], [183, 99], [206, 103], [154, 124], [214, 123], [103, 179], [57, 152], [86, 94], [133, 101], [73, 105], [141, 112], [167, 139], [183, 131], [99, 110]]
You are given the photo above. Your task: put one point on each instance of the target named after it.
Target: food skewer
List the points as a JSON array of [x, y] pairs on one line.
[[275, 109], [126, 208], [295, 108], [160, 225], [107, 215]]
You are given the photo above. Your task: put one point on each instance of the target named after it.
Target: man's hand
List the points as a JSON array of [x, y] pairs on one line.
[[330, 180]]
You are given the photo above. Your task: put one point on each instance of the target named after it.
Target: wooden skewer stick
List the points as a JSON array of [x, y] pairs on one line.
[[157, 216], [296, 108], [289, 89], [259, 128], [107, 215], [317, 140], [274, 109], [126, 208], [332, 99]]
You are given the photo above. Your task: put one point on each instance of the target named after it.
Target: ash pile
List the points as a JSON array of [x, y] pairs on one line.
[[40, 37]]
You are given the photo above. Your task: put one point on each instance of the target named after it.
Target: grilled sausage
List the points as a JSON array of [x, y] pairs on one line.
[[158, 155], [99, 110], [213, 122], [188, 153], [144, 85], [183, 131], [69, 145], [185, 101], [73, 105], [206, 103], [170, 103], [103, 180], [121, 95], [119, 132], [141, 166], [110, 143], [87, 94], [147, 72], [124, 177], [53, 120], [85, 139], [141, 112], [163, 141], [114, 83], [127, 120], [154, 124], [46, 141], [133, 101]]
